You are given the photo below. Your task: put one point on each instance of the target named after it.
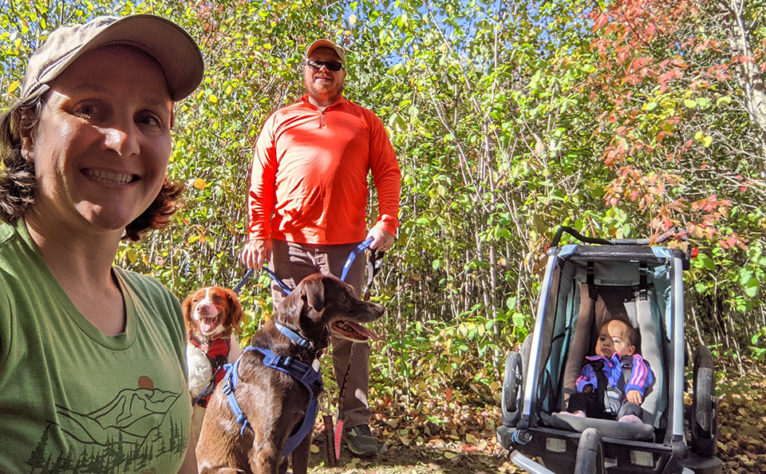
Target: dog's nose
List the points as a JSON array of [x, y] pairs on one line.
[[207, 309]]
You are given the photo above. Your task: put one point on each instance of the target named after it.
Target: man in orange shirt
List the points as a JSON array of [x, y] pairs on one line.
[[308, 205]]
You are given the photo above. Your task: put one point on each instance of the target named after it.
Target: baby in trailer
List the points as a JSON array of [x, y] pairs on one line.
[[612, 383]]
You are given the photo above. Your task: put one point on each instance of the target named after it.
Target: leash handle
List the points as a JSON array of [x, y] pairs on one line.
[[374, 264], [341, 398], [332, 461], [352, 256]]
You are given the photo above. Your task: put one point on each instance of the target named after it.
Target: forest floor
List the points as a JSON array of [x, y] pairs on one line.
[[463, 441]]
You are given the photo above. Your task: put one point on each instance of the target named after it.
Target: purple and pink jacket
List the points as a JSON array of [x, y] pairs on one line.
[[641, 375]]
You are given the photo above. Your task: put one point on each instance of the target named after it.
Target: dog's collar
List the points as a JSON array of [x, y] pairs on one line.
[[295, 337], [211, 342]]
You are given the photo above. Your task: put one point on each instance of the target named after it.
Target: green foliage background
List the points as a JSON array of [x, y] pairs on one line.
[[509, 118]]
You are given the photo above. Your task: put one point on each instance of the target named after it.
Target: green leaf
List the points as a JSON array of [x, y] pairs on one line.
[[704, 261], [518, 319], [689, 103], [723, 101], [745, 275]]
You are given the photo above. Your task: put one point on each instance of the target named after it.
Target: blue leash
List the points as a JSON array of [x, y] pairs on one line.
[[346, 267], [352, 256], [242, 282], [279, 282], [273, 276]]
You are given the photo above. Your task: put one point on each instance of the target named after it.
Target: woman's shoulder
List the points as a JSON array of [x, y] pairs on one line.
[[146, 287], [139, 279]]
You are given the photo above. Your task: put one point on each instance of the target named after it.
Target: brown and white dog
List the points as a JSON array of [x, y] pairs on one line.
[[274, 402], [213, 317]]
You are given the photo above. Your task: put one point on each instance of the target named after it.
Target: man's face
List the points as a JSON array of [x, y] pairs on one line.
[[322, 84]]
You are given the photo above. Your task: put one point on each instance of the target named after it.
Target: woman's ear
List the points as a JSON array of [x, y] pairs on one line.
[[26, 136]]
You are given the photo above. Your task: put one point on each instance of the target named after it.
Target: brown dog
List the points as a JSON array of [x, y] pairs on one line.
[[212, 316], [274, 402]]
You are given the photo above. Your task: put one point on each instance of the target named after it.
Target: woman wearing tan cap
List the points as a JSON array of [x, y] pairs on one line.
[[92, 373]]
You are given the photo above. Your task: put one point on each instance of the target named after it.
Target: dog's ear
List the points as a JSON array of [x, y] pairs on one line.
[[313, 294], [236, 313], [186, 308]]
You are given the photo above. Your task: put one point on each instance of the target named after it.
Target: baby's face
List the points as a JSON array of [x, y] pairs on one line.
[[614, 338]]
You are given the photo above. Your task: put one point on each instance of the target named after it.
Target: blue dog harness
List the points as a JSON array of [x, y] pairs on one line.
[[303, 373]]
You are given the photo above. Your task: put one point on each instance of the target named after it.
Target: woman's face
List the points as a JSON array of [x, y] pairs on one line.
[[102, 143]]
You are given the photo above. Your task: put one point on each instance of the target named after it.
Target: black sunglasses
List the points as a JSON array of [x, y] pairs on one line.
[[331, 65]]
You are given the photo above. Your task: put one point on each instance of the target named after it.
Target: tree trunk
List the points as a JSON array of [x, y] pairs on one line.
[[749, 75]]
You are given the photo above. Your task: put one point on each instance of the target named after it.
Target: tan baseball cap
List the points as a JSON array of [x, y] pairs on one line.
[[175, 51], [323, 43]]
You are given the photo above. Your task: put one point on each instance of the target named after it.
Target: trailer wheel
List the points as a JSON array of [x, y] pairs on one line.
[[512, 389], [590, 453], [513, 383], [703, 423]]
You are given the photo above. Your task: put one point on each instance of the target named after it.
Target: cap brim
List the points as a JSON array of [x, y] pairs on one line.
[[175, 51], [327, 44]]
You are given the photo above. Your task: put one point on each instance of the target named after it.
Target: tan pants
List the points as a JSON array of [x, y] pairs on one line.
[[292, 262]]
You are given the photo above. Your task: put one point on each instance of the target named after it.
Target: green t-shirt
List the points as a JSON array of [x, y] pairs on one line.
[[73, 399]]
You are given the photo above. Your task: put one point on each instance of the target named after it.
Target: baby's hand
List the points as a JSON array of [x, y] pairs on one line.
[[634, 396]]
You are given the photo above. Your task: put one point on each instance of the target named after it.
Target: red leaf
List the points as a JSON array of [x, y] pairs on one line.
[[639, 63], [602, 19]]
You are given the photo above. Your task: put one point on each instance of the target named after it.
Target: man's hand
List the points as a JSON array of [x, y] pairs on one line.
[[256, 253], [381, 240], [634, 396]]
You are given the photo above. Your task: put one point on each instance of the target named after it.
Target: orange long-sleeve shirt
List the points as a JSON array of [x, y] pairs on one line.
[[309, 178]]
